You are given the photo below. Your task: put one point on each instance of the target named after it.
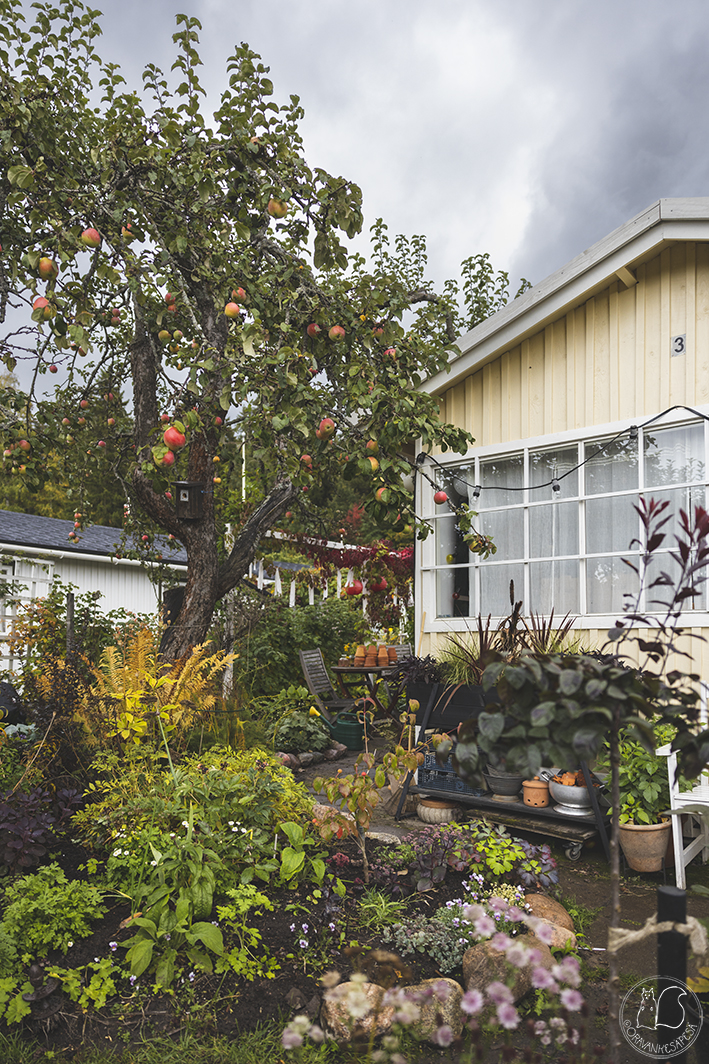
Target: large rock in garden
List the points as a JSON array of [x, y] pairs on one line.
[[439, 1001], [482, 964], [355, 1011], [547, 909]]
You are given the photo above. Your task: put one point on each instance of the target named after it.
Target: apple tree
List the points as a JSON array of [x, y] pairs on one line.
[[198, 263]]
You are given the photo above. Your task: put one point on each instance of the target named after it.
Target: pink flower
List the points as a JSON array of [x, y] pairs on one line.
[[442, 991], [542, 980], [498, 904], [517, 954], [508, 1016], [472, 1002], [499, 994], [291, 1039], [443, 1036], [484, 926], [515, 914], [544, 932], [500, 941], [571, 999], [569, 971]]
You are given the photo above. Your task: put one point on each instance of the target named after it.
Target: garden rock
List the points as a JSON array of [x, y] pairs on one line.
[[482, 964], [295, 999], [439, 1001], [365, 999], [310, 757], [325, 812], [549, 910]]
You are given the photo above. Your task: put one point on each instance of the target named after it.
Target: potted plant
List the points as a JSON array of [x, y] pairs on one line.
[[644, 796]]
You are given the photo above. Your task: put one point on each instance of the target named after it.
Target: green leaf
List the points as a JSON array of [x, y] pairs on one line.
[[542, 714], [165, 971], [208, 934], [291, 863], [140, 955], [570, 681], [293, 832], [491, 725]]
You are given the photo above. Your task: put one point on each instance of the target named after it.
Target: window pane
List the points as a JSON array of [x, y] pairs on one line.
[[446, 595], [496, 476], [459, 483], [679, 499], [507, 530], [614, 468], [495, 588], [447, 540], [545, 465], [553, 530], [611, 524], [554, 586], [673, 456], [608, 581]]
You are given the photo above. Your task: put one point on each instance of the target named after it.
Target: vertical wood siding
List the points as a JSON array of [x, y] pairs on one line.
[[606, 360]]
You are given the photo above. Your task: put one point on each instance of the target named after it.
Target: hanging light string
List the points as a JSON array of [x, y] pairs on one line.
[[631, 431]]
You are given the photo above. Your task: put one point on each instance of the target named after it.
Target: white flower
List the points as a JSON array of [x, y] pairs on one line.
[[185, 823]]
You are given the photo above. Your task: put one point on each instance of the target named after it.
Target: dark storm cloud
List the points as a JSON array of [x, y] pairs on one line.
[[528, 130], [635, 123]]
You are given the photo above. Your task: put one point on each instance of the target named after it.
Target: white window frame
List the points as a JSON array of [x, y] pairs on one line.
[[426, 567]]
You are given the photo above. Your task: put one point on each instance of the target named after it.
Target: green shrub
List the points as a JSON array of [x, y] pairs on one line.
[[299, 731], [236, 801], [45, 911], [269, 661]]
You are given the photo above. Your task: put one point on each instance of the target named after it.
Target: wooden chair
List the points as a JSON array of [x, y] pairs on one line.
[[320, 685], [698, 824], [403, 651]]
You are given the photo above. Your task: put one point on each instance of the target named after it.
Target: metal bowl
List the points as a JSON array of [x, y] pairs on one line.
[[574, 801]]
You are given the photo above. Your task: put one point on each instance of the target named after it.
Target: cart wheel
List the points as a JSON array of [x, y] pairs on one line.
[[573, 851]]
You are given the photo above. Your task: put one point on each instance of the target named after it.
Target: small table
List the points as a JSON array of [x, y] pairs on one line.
[[370, 675]]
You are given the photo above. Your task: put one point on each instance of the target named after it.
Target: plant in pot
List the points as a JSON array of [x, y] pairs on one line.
[[644, 796]]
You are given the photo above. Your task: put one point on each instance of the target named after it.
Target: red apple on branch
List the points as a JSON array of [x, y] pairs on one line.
[[238, 293], [53, 368], [232, 310], [313, 330], [440, 497], [336, 333], [91, 238], [47, 268], [173, 438], [277, 208], [325, 429]]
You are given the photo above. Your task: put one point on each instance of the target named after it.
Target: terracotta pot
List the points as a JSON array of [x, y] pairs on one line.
[[392, 655], [436, 810], [536, 793], [644, 845], [359, 655], [382, 656]]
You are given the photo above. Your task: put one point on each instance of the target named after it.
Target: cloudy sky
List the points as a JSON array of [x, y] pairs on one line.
[[526, 129]]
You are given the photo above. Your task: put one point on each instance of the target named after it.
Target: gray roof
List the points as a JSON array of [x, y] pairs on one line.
[[50, 533]]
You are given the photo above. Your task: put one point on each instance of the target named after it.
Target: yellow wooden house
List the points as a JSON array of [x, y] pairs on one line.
[[584, 393]]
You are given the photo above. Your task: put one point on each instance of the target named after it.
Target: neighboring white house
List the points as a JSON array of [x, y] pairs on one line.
[[587, 392], [35, 550]]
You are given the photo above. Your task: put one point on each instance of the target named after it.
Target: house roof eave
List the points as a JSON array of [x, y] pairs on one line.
[[665, 222]]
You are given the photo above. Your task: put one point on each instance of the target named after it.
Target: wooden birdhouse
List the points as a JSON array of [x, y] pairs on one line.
[[188, 499]]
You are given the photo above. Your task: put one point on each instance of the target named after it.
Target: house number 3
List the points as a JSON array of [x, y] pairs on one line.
[[678, 345]]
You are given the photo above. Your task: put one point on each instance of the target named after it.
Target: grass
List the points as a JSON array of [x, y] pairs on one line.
[[262, 1046], [377, 909]]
